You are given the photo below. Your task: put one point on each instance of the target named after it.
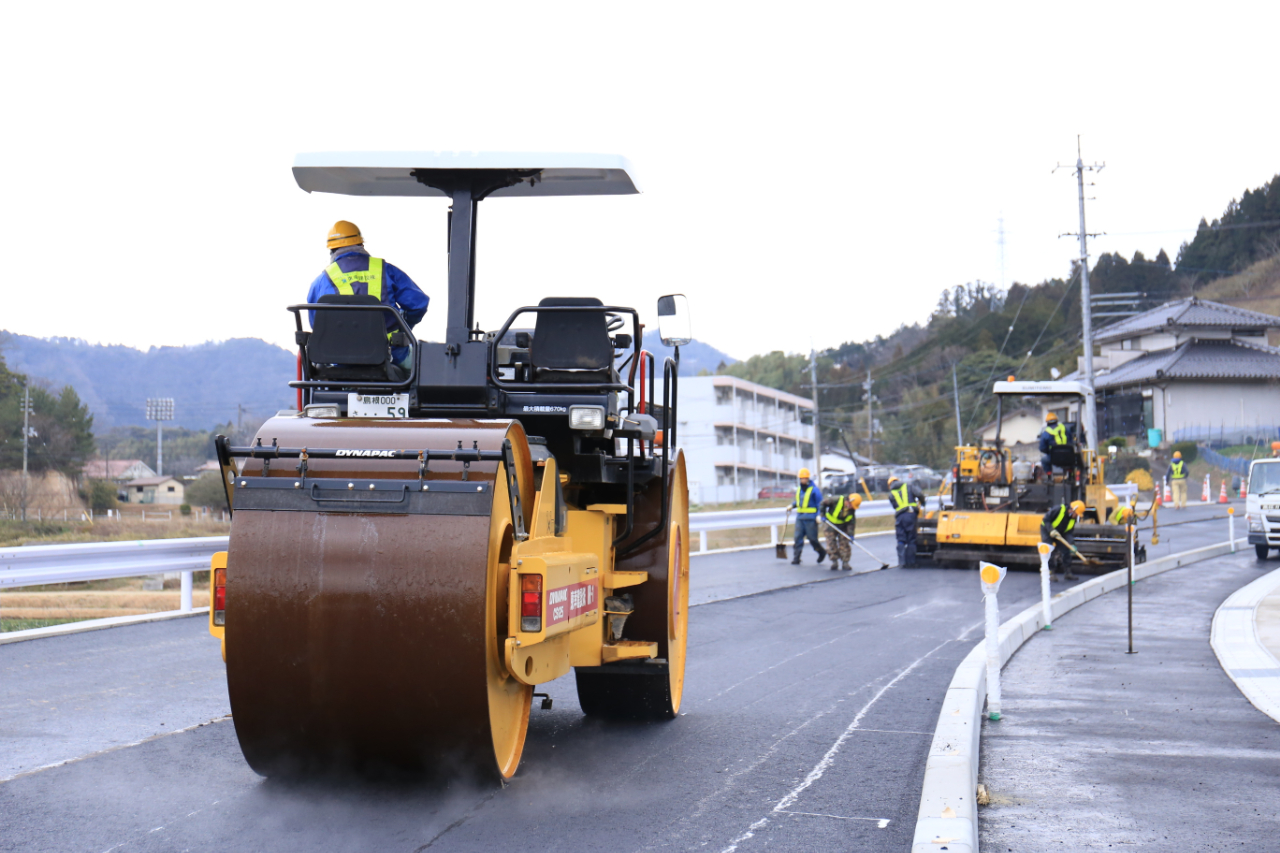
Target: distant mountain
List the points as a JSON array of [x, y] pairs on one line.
[[208, 382]]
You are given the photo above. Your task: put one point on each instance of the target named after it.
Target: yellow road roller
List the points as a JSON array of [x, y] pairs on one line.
[[417, 548], [996, 507]]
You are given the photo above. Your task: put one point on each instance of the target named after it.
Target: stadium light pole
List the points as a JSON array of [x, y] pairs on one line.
[[159, 409]]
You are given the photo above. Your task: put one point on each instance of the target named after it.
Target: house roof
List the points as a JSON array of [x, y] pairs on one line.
[[152, 481], [1195, 359], [1186, 314], [110, 469]]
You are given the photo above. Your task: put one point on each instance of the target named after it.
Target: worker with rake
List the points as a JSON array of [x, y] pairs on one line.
[[1055, 529], [839, 512]]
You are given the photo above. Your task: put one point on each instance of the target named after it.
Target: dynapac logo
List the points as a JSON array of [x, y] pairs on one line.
[[386, 454]]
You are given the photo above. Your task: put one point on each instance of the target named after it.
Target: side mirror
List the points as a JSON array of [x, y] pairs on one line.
[[673, 320]]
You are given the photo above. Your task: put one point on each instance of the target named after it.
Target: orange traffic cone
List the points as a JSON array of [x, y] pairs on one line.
[[1206, 493], [1159, 492], [1222, 495], [1242, 492]]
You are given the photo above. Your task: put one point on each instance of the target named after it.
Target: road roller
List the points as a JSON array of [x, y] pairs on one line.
[[996, 509], [421, 544]]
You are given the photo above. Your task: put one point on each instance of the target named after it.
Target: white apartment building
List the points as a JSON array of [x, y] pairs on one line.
[[739, 437]]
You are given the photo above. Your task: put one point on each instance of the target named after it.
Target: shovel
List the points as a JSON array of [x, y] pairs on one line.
[[781, 547], [854, 543], [1081, 557]]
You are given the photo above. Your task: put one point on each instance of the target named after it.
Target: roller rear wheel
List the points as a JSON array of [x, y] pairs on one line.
[[650, 690]]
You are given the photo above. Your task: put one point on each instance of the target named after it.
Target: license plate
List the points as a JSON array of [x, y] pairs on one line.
[[999, 491], [377, 405]]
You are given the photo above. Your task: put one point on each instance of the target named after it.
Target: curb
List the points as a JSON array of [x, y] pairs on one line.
[[97, 624], [948, 818], [1243, 657]]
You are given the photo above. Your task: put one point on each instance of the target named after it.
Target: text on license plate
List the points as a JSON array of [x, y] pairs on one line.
[[377, 405]]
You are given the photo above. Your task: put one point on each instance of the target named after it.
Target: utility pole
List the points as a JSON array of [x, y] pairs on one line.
[[159, 409], [26, 435], [871, 448], [1086, 316], [239, 416], [955, 387], [817, 425]]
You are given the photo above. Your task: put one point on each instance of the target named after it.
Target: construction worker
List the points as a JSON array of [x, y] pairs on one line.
[[808, 496], [1121, 515], [1053, 435], [906, 501], [1061, 519], [1177, 475], [839, 513], [352, 272]]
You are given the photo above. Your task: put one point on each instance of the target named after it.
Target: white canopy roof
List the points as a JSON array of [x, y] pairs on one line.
[[387, 173], [1059, 388]]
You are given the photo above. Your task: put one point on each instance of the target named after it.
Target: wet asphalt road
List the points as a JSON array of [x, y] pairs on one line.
[[807, 716]]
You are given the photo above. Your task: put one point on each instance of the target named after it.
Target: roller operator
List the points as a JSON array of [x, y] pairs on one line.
[[806, 502], [353, 272]]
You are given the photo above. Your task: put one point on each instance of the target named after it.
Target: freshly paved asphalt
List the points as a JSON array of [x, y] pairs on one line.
[[808, 712], [1098, 749]]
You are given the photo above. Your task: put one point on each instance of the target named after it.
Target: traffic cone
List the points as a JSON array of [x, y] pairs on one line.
[[1242, 493], [1222, 495], [1206, 492], [1159, 499]]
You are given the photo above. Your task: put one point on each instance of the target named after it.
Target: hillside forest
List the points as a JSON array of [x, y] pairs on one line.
[[978, 333]]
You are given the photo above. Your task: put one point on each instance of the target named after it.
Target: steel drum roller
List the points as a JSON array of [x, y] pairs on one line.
[[362, 640]]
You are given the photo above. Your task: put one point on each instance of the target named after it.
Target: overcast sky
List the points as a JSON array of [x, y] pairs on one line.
[[812, 173]]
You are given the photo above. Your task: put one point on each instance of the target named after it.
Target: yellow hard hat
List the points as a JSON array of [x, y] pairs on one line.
[[804, 474], [1077, 507], [855, 500], [893, 480], [1049, 418], [344, 233], [1177, 454]]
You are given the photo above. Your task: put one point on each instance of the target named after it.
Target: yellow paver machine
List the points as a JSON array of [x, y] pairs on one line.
[[997, 506], [418, 548]]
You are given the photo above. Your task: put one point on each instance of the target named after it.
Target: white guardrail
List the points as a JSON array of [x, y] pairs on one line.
[[773, 518]]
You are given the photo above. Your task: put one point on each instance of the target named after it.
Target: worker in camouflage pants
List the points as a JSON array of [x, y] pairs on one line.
[[839, 514]]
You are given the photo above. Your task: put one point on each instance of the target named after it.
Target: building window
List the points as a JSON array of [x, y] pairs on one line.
[[724, 435], [139, 489], [724, 395], [170, 488]]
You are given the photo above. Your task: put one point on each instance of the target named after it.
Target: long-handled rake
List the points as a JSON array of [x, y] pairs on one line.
[[854, 543]]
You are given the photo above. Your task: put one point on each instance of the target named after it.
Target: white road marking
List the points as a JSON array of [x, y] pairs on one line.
[[67, 761], [821, 767], [882, 822]]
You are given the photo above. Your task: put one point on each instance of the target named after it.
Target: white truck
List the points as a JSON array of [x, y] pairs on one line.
[[1262, 506]]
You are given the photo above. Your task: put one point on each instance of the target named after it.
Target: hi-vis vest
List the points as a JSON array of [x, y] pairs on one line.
[[901, 503], [1058, 432], [1179, 473], [1062, 511], [802, 506], [839, 514], [345, 282]]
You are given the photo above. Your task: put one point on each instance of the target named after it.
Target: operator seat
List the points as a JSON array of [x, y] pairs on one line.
[[1065, 458], [571, 346], [351, 345]]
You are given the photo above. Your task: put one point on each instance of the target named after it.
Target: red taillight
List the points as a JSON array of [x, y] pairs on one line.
[[219, 596], [531, 603]]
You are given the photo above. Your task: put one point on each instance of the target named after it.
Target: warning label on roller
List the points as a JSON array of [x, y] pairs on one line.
[[567, 602]]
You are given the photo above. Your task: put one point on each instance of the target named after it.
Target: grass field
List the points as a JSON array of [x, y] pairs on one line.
[[57, 604], [106, 530]]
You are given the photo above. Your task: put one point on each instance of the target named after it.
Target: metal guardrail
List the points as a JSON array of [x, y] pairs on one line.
[[35, 565]]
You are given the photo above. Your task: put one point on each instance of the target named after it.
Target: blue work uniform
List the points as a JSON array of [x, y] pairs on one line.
[[906, 501], [806, 505], [398, 291]]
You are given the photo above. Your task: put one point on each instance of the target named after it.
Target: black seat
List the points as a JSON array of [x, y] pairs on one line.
[[350, 345], [571, 346], [1064, 458]]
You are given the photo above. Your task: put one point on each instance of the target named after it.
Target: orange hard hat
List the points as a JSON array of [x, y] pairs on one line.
[[1177, 454], [804, 474], [855, 500], [1077, 507], [344, 233], [1049, 418]]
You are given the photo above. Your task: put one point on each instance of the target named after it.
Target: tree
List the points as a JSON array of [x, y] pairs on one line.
[[207, 491]]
